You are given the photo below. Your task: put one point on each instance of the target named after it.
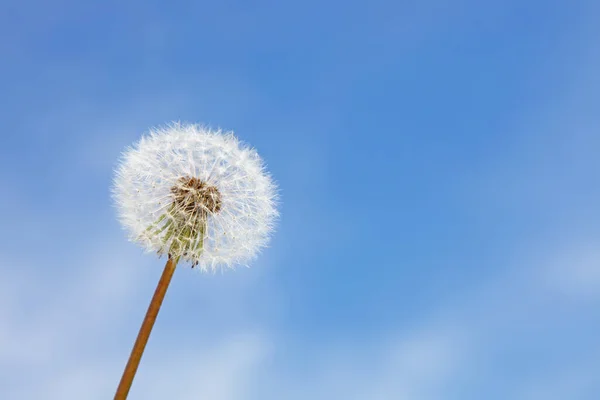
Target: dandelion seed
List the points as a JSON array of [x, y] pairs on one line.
[[195, 195], [202, 180]]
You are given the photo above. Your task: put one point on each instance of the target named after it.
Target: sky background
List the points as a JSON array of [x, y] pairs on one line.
[[439, 175]]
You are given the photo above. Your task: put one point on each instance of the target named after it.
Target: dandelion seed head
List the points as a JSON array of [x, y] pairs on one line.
[[196, 194]]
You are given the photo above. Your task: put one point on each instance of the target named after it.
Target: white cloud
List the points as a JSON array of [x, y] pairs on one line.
[[576, 273], [71, 328], [67, 336], [221, 371]]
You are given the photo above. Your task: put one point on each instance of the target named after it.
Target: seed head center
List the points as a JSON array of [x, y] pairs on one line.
[[192, 195]]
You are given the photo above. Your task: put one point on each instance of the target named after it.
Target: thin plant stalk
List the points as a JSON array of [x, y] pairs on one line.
[[145, 330]]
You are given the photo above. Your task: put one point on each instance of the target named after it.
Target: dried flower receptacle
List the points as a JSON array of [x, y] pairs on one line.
[[186, 219]]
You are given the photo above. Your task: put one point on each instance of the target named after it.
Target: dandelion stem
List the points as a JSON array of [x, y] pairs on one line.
[[146, 328]]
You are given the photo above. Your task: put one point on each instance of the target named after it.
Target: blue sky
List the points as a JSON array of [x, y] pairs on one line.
[[438, 166]]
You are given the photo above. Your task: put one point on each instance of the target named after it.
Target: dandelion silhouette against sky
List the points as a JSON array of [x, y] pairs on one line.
[[194, 195]]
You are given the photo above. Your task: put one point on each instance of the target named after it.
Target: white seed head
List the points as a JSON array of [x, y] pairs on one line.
[[196, 195]]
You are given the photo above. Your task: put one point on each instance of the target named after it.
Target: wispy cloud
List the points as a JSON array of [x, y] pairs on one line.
[[525, 329]]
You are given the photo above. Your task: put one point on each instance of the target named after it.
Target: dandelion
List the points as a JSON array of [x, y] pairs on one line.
[[197, 196]]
